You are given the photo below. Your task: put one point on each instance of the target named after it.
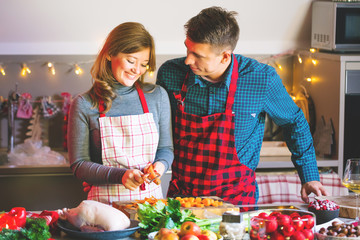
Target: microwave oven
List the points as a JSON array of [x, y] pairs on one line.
[[336, 26]]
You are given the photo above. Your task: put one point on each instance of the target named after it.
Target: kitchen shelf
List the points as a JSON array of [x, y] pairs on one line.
[[285, 162]]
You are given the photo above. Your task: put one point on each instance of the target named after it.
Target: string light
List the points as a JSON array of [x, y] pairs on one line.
[[279, 66], [312, 50], [151, 74], [25, 70], [299, 58], [314, 61], [51, 68], [78, 69], [2, 70], [309, 79]]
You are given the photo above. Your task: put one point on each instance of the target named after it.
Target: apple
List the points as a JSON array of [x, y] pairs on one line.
[[308, 233], [283, 220], [189, 228], [203, 237], [210, 234], [287, 230], [297, 236], [162, 232], [308, 221], [171, 236], [189, 237], [271, 224]]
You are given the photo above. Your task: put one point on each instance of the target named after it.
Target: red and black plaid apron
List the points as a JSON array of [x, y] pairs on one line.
[[206, 162]]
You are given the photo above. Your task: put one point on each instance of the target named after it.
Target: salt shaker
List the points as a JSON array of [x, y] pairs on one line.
[[231, 226]]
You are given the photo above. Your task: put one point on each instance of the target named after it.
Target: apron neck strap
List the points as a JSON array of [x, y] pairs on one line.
[[141, 96], [232, 88]]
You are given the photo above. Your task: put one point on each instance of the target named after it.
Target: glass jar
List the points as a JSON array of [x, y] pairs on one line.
[[231, 226]]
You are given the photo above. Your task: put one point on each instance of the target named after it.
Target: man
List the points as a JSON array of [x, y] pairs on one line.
[[219, 101]]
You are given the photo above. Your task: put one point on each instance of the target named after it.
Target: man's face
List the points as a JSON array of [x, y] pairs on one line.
[[204, 60]]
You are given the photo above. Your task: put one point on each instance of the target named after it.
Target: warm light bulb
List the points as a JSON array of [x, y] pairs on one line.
[[2, 70], [151, 73], [25, 70], [299, 58], [51, 68], [314, 62], [309, 79], [78, 70], [294, 98], [279, 66], [312, 50]]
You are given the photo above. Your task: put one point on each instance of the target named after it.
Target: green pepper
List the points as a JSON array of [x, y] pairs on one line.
[[19, 214]]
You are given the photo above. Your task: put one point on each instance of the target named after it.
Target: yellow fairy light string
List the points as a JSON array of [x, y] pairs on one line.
[[299, 58], [2, 70], [51, 68], [78, 70], [312, 50], [308, 79], [25, 70], [314, 62]]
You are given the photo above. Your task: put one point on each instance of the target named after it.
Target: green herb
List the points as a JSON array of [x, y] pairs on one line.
[[35, 229], [153, 218]]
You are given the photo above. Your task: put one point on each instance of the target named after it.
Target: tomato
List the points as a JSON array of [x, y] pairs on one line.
[[271, 224], [287, 230], [276, 214], [298, 223], [284, 220], [276, 236], [297, 236], [308, 233], [309, 221], [294, 214], [263, 215]]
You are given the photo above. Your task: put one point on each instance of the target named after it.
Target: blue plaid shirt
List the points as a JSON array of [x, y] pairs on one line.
[[259, 91]]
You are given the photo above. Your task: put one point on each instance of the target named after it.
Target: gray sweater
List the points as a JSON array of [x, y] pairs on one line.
[[84, 144]]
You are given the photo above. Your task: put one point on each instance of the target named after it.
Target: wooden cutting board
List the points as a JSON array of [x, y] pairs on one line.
[[347, 205], [203, 212]]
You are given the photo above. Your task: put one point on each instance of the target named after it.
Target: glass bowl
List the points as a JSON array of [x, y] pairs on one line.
[[281, 224]]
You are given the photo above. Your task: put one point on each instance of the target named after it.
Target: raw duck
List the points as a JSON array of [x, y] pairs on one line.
[[93, 216]]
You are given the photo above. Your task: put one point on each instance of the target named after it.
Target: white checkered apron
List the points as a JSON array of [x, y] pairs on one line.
[[127, 142]]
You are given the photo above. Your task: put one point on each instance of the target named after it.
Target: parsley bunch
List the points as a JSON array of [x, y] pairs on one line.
[[153, 218], [35, 229]]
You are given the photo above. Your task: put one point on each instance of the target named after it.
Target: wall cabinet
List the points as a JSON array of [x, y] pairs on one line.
[[329, 74]]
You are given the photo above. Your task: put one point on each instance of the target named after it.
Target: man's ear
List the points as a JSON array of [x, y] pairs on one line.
[[226, 56]]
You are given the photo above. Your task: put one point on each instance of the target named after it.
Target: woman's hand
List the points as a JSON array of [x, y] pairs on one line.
[[132, 179]]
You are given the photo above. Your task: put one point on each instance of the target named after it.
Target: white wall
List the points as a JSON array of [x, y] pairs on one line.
[[80, 26]]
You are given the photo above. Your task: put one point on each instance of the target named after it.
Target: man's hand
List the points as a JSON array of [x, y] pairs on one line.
[[312, 187]]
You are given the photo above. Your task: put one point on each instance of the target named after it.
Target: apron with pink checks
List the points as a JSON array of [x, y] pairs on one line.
[[127, 142]]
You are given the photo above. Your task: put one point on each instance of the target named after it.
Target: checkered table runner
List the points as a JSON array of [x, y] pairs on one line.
[[285, 188]]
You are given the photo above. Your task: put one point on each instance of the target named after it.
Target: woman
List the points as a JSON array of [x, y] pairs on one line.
[[121, 124]]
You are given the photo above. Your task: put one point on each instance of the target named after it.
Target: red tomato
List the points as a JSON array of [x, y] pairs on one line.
[[294, 214], [308, 221], [297, 236], [275, 214], [298, 223], [263, 215], [284, 220], [271, 224], [308, 233], [287, 230], [276, 236]]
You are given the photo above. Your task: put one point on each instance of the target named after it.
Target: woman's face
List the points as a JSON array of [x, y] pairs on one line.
[[128, 67]]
